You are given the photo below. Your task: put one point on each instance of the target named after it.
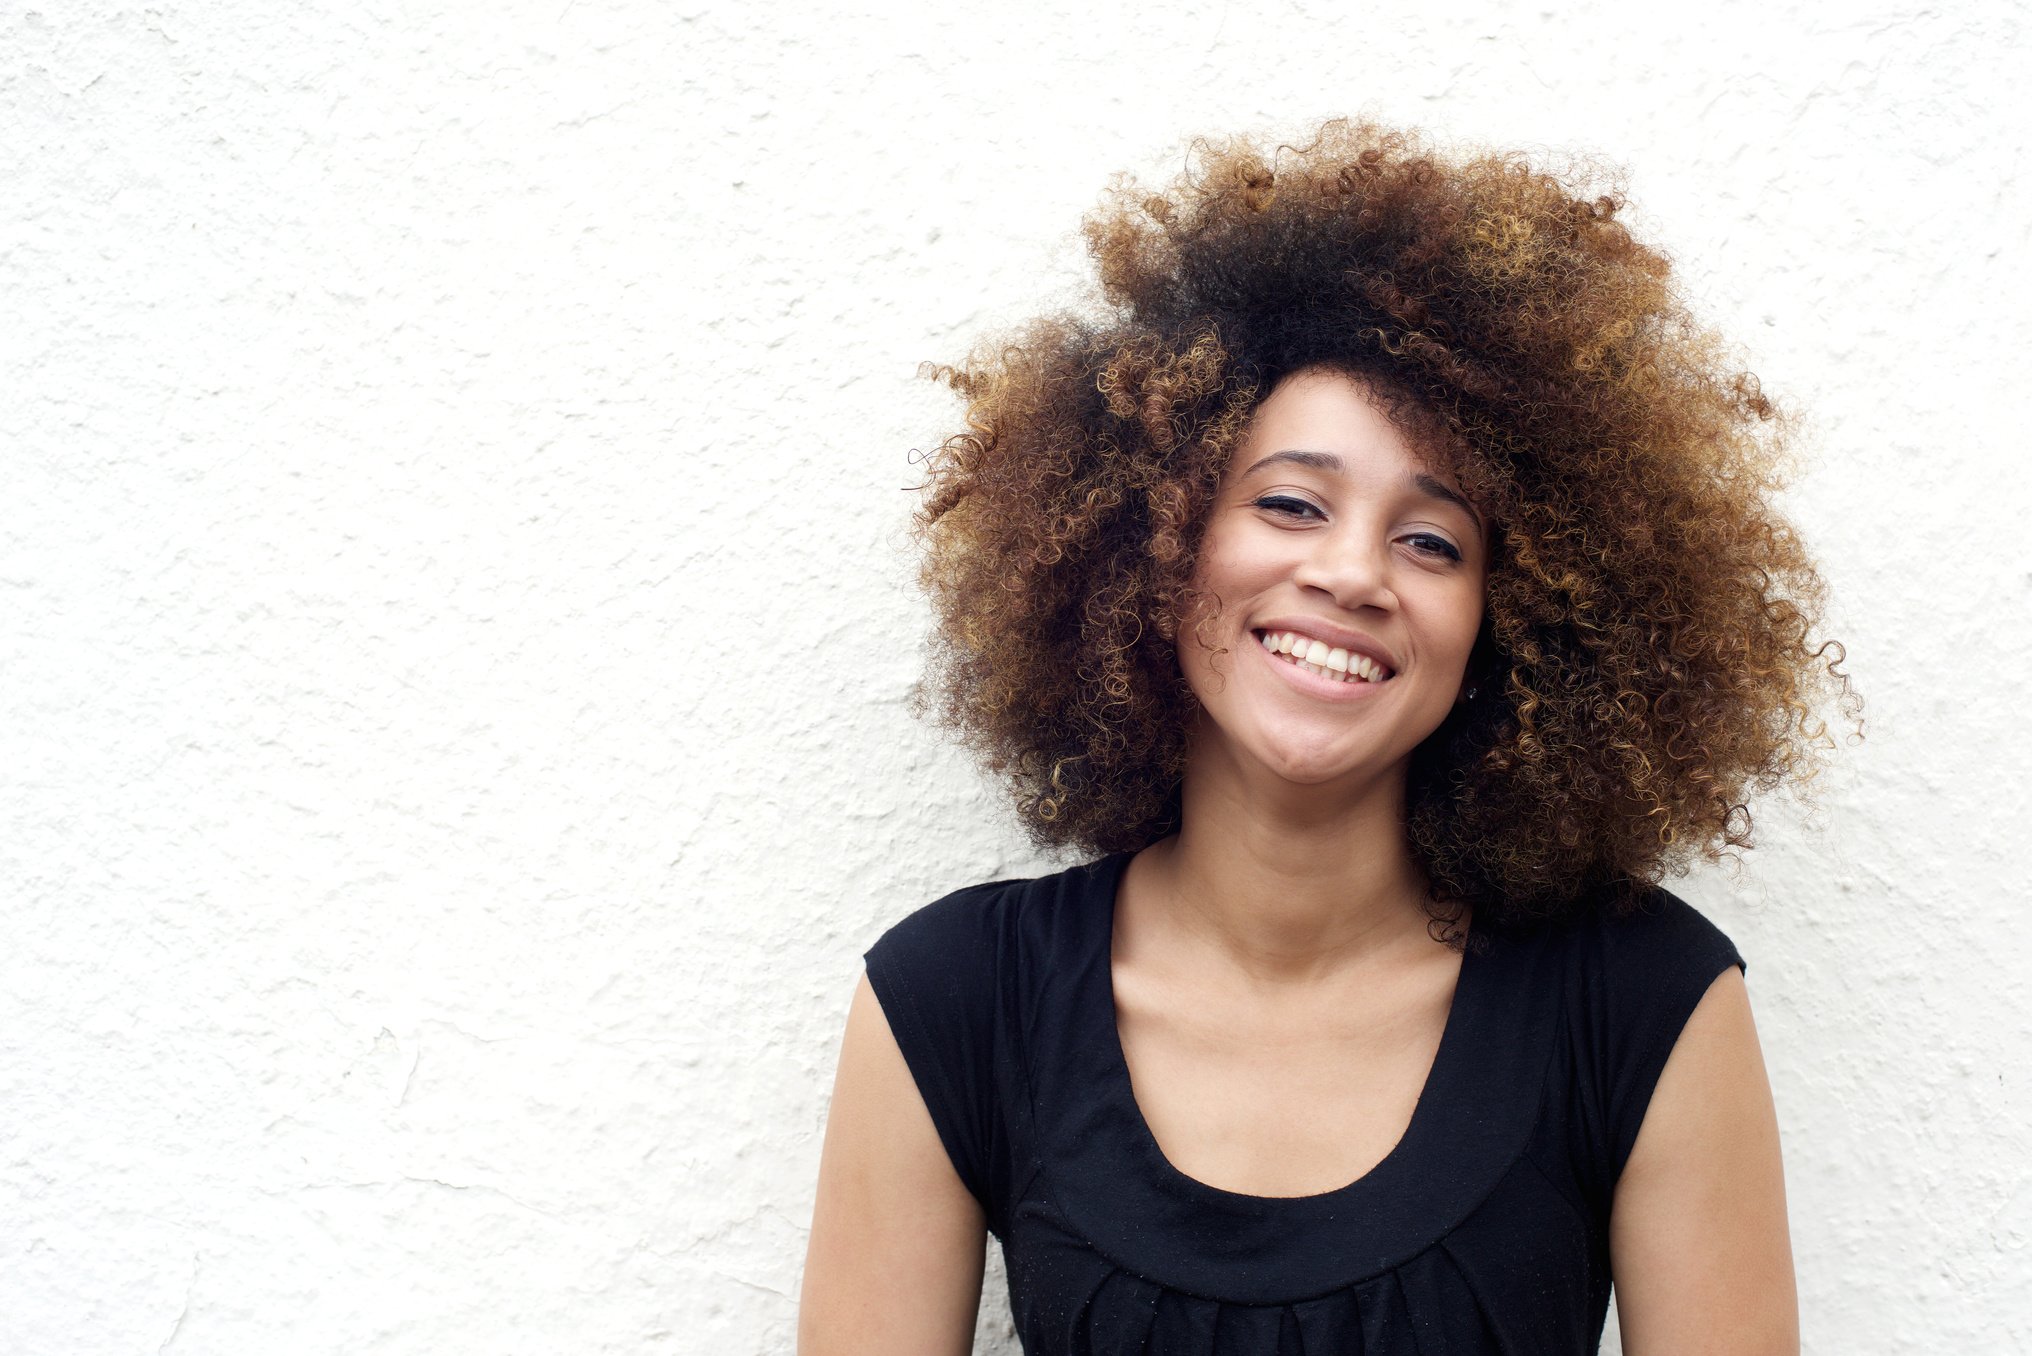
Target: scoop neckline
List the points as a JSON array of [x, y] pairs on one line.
[[1417, 1129], [1112, 1187]]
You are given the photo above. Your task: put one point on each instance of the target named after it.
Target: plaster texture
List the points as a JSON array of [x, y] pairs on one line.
[[459, 625]]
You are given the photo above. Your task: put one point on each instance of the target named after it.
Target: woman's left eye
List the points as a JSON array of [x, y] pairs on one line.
[[1434, 545], [1285, 504]]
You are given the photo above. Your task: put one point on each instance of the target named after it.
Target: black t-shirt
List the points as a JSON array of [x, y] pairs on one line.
[[1484, 1230]]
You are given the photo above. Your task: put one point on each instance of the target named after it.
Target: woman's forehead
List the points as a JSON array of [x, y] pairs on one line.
[[1340, 424]]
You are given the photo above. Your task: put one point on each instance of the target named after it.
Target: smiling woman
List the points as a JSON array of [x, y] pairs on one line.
[[1385, 597]]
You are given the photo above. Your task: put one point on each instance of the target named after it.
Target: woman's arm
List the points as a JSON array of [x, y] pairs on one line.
[[1697, 1236], [897, 1240]]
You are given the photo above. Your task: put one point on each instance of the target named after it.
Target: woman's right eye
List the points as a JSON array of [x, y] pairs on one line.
[[1286, 505]]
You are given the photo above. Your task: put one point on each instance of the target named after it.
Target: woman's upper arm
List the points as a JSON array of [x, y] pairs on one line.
[[1698, 1242], [897, 1241]]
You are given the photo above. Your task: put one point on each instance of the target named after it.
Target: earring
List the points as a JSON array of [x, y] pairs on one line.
[[1472, 691]]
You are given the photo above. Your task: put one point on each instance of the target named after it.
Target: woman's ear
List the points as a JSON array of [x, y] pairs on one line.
[[1482, 678]]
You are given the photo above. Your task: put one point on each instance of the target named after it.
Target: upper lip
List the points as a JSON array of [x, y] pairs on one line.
[[1333, 637]]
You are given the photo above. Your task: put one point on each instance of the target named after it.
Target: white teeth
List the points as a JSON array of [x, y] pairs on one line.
[[1316, 657]]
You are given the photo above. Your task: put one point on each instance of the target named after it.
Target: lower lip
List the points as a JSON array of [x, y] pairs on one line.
[[1312, 685]]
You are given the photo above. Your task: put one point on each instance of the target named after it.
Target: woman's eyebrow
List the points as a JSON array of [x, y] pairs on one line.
[[1318, 461], [1433, 488], [1429, 486]]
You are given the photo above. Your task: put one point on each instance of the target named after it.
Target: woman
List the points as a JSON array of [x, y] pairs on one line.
[[1385, 593]]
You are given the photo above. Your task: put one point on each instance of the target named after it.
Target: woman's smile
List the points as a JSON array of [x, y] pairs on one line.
[[1353, 678]]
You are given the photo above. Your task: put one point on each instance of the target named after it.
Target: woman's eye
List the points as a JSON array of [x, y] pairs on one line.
[[1437, 546], [1286, 505]]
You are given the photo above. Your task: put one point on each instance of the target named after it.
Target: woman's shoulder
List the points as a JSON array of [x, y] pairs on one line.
[[980, 925], [1650, 936], [960, 919], [951, 977], [1635, 967], [1635, 973]]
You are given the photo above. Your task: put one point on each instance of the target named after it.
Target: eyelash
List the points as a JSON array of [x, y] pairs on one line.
[[1440, 545]]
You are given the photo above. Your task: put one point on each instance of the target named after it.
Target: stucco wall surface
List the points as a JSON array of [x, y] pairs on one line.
[[459, 627]]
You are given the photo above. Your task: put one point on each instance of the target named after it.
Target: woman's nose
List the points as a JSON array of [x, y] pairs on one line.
[[1352, 567]]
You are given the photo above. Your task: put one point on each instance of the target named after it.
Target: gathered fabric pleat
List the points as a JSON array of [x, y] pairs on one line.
[[1328, 1326], [1492, 1340], [1433, 1305], [1290, 1337], [1386, 1319], [1412, 1310], [1123, 1314], [1118, 1317], [1516, 1250], [1175, 1324]]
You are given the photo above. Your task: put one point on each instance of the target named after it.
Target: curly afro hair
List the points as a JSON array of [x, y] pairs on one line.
[[1647, 660]]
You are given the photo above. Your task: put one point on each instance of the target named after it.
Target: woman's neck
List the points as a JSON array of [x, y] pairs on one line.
[[1287, 882]]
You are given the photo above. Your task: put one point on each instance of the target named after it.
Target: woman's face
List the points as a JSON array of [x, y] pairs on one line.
[[1329, 525]]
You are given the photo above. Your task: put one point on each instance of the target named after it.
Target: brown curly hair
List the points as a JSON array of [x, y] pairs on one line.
[[1647, 659]]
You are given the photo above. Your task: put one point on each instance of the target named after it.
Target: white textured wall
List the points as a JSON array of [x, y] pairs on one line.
[[458, 629]]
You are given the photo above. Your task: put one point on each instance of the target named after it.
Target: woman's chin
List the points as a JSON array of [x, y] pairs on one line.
[[1282, 754], [1340, 768]]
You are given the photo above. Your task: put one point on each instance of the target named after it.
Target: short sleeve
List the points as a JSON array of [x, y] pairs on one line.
[[937, 976], [1650, 970]]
